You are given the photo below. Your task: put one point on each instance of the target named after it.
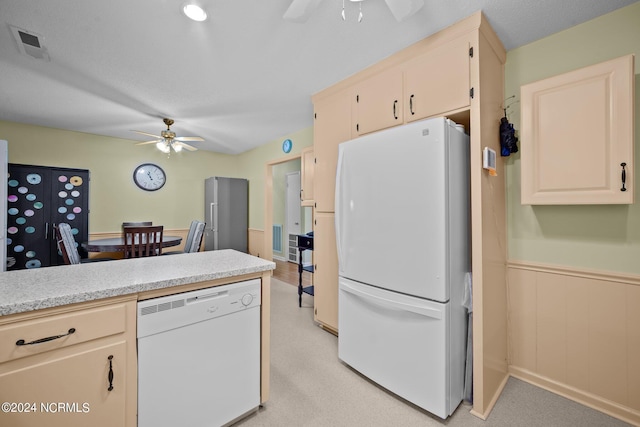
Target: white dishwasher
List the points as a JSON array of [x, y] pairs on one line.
[[199, 356]]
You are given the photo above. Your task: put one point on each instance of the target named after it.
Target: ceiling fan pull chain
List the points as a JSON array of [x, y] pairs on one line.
[[360, 14], [344, 17]]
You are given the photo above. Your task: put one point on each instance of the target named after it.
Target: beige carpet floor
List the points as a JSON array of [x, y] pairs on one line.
[[311, 387]]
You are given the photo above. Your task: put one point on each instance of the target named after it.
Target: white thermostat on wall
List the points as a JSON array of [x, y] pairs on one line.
[[489, 160]]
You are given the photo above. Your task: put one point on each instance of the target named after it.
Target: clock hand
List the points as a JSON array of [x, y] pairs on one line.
[[149, 175]]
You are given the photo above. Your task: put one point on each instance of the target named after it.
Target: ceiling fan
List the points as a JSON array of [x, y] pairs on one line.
[[169, 140], [301, 10]]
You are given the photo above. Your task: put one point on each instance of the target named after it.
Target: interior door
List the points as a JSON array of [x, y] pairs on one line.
[[294, 220]]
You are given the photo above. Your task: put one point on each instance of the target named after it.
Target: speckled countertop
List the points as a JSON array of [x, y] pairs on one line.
[[27, 290]]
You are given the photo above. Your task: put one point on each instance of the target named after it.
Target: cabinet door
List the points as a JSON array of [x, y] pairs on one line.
[[66, 388], [332, 126], [326, 271], [38, 198], [307, 167], [577, 136], [438, 81], [378, 102]]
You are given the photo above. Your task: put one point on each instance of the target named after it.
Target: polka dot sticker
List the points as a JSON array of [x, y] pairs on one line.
[[18, 248], [76, 181], [29, 212], [75, 232], [62, 210], [12, 198], [71, 217], [34, 178], [9, 241], [62, 178], [77, 210], [23, 190], [30, 254], [12, 230], [13, 183], [69, 202], [34, 263], [13, 211], [68, 186], [62, 194], [30, 197], [75, 193], [30, 230], [38, 205], [21, 221]]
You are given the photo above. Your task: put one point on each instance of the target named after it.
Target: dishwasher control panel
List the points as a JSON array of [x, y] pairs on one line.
[[178, 310]]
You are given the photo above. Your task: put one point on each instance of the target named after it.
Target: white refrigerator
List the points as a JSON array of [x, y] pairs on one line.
[[403, 242]]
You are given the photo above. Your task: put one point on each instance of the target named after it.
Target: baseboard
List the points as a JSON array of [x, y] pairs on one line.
[[623, 413], [484, 415], [279, 258]]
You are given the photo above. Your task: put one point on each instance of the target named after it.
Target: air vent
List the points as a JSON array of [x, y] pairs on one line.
[[169, 305], [30, 43]]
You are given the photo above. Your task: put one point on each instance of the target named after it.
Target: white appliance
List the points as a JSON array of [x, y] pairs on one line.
[[199, 356], [403, 241]]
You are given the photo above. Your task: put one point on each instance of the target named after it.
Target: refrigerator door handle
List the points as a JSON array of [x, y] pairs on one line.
[[391, 304], [338, 210], [213, 217]]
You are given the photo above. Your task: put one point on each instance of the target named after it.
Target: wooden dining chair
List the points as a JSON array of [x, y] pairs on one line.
[[143, 241]]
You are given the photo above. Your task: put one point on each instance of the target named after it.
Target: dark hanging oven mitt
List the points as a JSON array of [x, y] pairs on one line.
[[508, 139]]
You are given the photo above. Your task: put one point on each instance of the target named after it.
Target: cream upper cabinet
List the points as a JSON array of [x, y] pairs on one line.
[[332, 125], [76, 368], [307, 167], [577, 136], [378, 102], [438, 80], [325, 273]]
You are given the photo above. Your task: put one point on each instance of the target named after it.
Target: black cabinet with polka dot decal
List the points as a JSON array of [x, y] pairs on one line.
[[38, 197]]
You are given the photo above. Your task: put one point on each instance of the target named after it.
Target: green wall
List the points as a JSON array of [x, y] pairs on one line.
[[602, 237], [113, 195]]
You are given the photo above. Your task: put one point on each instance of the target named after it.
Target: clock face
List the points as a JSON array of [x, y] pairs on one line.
[[287, 145], [149, 177]]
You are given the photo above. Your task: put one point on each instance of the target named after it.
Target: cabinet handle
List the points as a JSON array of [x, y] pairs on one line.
[[110, 372], [624, 176], [395, 116], [411, 105], [41, 340]]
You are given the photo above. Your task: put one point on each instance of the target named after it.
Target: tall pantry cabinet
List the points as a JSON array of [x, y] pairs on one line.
[[39, 197], [458, 73]]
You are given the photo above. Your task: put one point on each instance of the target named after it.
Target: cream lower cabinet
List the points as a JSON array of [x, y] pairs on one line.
[[85, 377], [577, 136], [325, 278]]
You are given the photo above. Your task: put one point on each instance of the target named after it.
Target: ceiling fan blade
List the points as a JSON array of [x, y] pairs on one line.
[[150, 142], [185, 146], [300, 10], [145, 133], [402, 9], [188, 138]]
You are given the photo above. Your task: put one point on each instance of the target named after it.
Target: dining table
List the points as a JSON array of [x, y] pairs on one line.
[[116, 244]]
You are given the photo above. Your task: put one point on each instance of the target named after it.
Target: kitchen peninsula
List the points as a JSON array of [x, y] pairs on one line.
[[84, 319]]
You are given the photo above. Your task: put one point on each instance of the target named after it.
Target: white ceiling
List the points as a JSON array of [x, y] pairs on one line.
[[240, 79]]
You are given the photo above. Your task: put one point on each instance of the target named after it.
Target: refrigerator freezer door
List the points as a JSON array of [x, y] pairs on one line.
[[396, 225], [226, 213], [398, 341]]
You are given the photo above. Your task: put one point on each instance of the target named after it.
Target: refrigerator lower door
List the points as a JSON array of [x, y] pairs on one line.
[[400, 342]]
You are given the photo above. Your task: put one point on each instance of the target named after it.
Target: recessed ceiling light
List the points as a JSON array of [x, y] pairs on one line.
[[195, 12]]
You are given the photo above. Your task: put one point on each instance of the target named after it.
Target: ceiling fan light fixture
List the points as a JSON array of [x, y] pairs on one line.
[[195, 12], [177, 147], [163, 146]]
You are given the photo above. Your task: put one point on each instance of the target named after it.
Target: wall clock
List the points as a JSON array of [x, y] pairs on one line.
[[287, 145], [149, 177]]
